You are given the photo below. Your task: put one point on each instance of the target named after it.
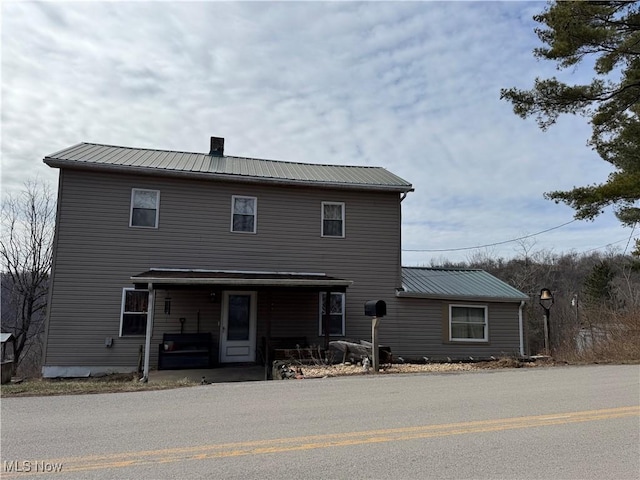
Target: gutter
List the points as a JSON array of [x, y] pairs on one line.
[[238, 282], [458, 298]]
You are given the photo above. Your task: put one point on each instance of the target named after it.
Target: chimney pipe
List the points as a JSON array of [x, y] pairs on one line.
[[217, 147]]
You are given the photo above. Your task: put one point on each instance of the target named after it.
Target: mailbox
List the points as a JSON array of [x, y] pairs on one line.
[[375, 308]]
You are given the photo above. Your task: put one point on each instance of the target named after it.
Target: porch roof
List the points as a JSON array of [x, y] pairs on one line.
[[235, 278]]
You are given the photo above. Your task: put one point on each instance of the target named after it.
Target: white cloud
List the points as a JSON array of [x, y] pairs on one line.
[[411, 86]]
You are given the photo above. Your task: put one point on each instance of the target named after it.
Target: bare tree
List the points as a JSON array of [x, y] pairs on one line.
[[28, 221]]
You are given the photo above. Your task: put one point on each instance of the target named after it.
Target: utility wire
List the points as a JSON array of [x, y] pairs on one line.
[[603, 246], [629, 241], [489, 244]]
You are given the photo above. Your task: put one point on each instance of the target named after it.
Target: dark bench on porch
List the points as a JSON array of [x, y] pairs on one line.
[[184, 350], [284, 348]]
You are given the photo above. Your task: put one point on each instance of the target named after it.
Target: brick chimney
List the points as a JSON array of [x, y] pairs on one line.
[[217, 147]]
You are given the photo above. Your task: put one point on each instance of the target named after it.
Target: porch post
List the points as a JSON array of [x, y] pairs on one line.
[[147, 343], [325, 319], [267, 341]]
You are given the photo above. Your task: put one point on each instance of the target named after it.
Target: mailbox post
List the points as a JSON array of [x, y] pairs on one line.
[[376, 309]]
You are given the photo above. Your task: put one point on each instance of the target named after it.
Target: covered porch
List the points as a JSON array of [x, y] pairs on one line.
[[242, 316]]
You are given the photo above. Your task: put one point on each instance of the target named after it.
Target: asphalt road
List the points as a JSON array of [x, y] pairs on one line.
[[556, 423]]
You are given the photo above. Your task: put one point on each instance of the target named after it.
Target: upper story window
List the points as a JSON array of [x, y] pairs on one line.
[[145, 206], [468, 323], [336, 313], [332, 219], [244, 214], [133, 318]]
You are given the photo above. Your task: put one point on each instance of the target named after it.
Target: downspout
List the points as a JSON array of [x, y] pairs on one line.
[[399, 257], [147, 342], [521, 325]]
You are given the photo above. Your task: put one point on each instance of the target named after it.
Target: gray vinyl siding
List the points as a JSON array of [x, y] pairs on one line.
[[97, 253], [421, 329]]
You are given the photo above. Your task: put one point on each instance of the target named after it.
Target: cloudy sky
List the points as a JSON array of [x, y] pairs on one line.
[[410, 86]]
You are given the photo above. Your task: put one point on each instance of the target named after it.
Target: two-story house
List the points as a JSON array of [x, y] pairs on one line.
[[150, 242]]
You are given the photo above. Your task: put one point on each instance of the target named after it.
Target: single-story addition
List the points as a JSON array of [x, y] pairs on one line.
[[458, 313], [168, 259]]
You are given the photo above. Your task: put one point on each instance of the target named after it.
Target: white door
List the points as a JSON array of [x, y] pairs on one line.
[[238, 327]]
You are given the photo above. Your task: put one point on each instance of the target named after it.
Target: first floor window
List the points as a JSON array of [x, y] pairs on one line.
[[468, 323], [332, 219], [135, 304], [144, 208], [336, 313], [243, 215]]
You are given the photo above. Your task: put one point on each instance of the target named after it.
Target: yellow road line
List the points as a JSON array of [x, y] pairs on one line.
[[279, 445]]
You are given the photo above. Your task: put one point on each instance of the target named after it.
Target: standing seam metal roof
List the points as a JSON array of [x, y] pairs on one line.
[[451, 283], [90, 155]]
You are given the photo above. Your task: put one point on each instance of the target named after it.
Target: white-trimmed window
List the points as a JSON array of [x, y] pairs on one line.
[[336, 313], [244, 214], [145, 206], [332, 219], [468, 323], [133, 319]]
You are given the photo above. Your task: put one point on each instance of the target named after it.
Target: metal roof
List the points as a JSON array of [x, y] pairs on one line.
[[90, 155], [464, 284]]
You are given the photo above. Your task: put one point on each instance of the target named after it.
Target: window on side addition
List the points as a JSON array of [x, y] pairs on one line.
[[145, 205], [468, 323], [244, 214], [336, 314], [333, 219], [133, 318]]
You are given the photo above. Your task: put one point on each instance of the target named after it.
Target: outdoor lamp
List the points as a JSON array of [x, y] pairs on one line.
[[546, 300]]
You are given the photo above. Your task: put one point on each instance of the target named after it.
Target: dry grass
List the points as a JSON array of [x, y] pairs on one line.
[[107, 384], [613, 337]]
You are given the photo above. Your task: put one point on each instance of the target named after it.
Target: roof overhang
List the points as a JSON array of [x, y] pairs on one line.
[[166, 172], [163, 278], [460, 298]]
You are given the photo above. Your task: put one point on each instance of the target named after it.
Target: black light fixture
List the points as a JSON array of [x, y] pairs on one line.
[[546, 301]]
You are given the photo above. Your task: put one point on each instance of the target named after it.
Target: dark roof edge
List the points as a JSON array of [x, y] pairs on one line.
[[449, 269], [58, 163]]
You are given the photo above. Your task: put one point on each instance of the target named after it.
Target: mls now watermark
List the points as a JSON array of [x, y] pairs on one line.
[[30, 466]]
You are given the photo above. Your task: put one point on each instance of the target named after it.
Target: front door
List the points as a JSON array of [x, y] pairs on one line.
[[238, 327]]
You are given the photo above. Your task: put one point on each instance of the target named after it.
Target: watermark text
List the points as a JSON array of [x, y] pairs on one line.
[[30, 466]]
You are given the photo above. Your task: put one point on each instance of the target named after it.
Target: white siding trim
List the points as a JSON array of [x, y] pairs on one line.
[[320, 319], [124, 297], [55, 371], [255, 213], [133, 192], [342, 205], [486, 324]]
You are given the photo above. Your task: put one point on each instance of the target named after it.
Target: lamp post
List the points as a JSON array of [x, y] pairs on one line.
[[546, 300]]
